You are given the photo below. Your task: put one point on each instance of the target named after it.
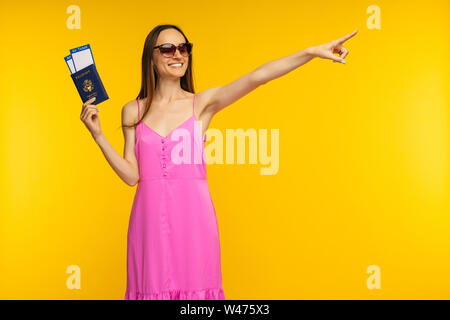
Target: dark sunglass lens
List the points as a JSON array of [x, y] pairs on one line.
[[185, 48], [167, 49]]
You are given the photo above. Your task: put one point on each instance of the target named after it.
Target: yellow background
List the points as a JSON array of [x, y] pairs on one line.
[[363, 177]]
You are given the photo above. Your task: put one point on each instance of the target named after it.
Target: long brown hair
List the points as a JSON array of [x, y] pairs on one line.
[[149, 74]]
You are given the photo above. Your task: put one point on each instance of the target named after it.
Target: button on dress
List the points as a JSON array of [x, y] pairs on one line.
[[173, 248]]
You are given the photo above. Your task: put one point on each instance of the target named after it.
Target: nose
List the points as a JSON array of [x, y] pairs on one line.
[[177, 53]]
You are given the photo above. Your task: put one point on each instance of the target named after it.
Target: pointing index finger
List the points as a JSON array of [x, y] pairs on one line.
[[346, 37]]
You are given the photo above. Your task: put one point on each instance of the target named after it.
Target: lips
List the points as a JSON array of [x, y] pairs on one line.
[[176, 63]]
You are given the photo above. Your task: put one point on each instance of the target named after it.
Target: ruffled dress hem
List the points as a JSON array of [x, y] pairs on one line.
[[206, 294]]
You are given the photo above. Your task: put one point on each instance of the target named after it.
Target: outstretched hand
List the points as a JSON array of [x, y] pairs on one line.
[[328, 50]]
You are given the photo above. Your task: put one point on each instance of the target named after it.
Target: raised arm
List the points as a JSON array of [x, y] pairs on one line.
[[218, 98]]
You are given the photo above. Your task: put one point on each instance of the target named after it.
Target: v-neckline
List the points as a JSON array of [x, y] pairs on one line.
[[170, 131]]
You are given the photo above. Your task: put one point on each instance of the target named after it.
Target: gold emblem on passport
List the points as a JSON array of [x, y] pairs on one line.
[[88, 86]]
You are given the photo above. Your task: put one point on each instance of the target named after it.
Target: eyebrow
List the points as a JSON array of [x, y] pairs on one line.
[[171, 43]]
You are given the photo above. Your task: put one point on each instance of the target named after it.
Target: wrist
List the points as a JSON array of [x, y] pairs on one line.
[[98, 137], [311, 52]]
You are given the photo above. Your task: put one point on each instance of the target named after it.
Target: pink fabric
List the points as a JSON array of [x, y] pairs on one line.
[[173, 249]]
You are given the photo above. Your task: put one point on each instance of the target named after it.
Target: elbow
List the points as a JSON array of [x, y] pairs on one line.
[[258, 77], [132, 182]]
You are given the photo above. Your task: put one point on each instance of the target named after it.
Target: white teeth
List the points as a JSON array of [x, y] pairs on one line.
[[175, 65]]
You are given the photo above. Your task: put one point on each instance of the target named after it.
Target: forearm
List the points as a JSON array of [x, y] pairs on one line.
[[120, 165], [276, 68]]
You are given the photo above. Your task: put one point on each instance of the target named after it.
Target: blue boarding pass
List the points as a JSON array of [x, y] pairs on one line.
[[82, 57], [69, 62]]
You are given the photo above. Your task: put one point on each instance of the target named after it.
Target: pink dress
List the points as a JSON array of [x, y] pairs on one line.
[[173, 249]]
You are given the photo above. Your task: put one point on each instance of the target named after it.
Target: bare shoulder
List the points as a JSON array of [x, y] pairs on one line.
[[205, 95], [204, 99], [130, 112]]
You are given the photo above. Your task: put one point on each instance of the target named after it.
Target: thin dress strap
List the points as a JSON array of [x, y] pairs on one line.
[[139, 110], [193, 111]]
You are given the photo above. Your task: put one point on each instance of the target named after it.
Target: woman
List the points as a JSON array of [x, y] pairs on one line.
[[173, 247]]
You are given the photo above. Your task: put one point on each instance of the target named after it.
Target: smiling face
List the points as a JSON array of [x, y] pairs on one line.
[[164, 65]]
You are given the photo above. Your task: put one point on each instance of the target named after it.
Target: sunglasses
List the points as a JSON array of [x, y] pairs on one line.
[[168, 49]]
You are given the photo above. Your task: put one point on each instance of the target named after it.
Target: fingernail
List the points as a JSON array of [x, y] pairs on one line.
[[343, 61], [93, 98]]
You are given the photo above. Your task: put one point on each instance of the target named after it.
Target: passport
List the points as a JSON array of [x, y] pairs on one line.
[[85, 75], [89, 84]]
